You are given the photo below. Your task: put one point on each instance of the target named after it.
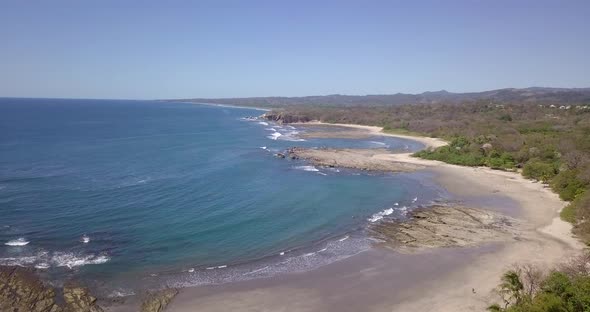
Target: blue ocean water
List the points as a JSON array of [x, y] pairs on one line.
[[188, 194]]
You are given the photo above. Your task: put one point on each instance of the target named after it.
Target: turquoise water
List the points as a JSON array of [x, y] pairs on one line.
[[179, 193]]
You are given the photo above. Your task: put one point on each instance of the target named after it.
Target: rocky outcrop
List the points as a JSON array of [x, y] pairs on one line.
[[78, 299], [157, 301], [445, 226], [21, 290], [362, 159], [285, 117]]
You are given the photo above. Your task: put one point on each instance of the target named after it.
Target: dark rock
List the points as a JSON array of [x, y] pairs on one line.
[[157, 301], [21, 290], [78, 299]]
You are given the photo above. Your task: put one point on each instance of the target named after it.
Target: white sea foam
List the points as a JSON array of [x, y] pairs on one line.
[[323, 249], [264, 123], [20, 261], [379, 215], [17, 242], [396, 204], [263, 147], [271, 129], [378, 143], [85, 239], [42, 265], [324, 174], [71, 260], [121, 293], [307, 168], [191, 270], [309, 254], [343, 238], [222, 266], [274, 136], [403, 210], [414, 200], [210, 268], [282, 253]]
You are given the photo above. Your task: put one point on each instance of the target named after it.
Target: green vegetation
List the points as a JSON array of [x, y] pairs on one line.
[[528, 289], [544, 143]]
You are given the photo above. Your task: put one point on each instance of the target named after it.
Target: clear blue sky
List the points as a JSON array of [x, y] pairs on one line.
[[177, 49]]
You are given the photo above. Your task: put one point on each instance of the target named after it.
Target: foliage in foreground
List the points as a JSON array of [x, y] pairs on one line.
[[528, 289]]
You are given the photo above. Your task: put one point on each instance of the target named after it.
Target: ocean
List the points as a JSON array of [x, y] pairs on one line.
[[144, 194]]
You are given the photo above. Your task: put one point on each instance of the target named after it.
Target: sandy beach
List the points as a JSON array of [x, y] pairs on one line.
[[444, 279]]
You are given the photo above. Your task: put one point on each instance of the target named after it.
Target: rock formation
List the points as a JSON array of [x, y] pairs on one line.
[[22, 291], [157, 301]]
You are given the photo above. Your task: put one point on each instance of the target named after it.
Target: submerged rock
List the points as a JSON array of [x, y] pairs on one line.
[[157, 301]]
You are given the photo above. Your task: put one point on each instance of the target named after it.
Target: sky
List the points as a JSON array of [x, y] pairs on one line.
[[210, 49]]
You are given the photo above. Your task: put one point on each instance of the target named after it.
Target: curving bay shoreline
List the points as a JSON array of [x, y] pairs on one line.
[[448, 279]]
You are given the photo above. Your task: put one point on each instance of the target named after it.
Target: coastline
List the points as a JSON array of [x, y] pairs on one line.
[[548, 240]]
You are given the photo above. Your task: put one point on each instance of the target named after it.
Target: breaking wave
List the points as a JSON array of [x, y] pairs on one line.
[[379, 215], [17, 242]]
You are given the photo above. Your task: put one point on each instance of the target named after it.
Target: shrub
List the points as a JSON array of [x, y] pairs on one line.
[[567, 185], [535, 169]]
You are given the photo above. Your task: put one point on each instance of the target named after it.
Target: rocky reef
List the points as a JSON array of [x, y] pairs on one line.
[[362, 159], [157, 301], [21, 290], [447, 226]]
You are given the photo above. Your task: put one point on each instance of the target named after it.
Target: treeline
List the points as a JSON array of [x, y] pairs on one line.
[[526, 288], [545, 142]]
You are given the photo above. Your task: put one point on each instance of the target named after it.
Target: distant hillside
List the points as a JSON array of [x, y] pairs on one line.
[[532, 95]]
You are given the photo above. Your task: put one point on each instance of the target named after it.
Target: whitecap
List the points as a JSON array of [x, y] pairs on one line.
[[282, 253], [343, 238], [210, 268], [307, 168], [85, 239], [17, 242], [379, 215], [324, 174], [191, 270], [263, 147], [263, 123], [274, 136], [414, 200], [309, 254], [323, 249], [396, 204], [378, 143], [222, 266], [70, 260]]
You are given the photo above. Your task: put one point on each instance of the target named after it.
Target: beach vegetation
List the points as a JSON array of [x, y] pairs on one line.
[[526, 288]]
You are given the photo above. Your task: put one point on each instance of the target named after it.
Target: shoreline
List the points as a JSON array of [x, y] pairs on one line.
[[548, 240], [378, 131]]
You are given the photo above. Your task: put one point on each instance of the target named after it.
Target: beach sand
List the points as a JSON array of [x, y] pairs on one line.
[[448, 279]]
